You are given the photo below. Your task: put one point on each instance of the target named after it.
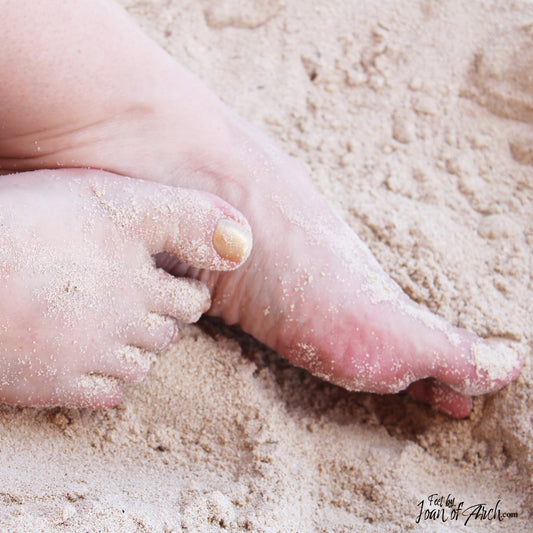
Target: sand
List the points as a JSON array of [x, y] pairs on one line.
[[415, 119]]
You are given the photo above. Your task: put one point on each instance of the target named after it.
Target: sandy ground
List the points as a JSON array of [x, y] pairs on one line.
[[415, 119]]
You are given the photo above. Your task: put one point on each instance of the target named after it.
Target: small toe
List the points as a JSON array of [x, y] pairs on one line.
[[103, 388], [155, 333], [129, 364], [182, 298], [93, 391], [442, 397], [133, 364]]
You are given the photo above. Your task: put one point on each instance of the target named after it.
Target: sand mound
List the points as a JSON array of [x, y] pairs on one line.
[[503, 74]]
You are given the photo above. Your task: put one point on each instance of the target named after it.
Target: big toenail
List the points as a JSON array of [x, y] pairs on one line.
[[231, 240]]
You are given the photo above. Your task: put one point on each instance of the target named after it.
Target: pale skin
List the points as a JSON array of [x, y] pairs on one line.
[[84, 87], [83, 307]]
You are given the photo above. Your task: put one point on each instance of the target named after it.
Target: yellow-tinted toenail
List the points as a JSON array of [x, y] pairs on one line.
[[231, 240]]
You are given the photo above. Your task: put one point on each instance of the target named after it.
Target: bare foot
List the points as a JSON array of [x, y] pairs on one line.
[[311, 289], [83, 307]]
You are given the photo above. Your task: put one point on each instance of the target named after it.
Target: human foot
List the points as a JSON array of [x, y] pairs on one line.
[[311, 289], [83, 307]]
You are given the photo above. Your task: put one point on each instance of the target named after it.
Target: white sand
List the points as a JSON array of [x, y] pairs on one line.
[[416, 120]]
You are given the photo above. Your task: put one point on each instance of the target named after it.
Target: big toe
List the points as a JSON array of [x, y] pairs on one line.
[[197, 227], [486, 366]]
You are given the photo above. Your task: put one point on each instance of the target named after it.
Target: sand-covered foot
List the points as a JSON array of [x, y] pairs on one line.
[[83, 308], [311, 289]]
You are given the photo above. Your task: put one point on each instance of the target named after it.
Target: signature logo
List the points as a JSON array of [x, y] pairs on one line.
[[442, 508]]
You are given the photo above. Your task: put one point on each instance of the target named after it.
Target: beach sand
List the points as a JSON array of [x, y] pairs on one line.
[[415, 119]]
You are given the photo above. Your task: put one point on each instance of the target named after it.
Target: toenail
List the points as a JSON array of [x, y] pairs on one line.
[[175, 335], [231, 240]]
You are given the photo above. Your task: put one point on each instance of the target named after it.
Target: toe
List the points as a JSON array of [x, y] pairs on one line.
[[181, 298], [442, 397], [131, 364], [96, 391], [155, 333], [104, 388], [197, 227], [480, 366], [128, 364], [93, 391]]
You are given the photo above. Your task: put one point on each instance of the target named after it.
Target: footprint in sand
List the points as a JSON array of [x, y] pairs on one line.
[[502, 76], [237, 14]]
